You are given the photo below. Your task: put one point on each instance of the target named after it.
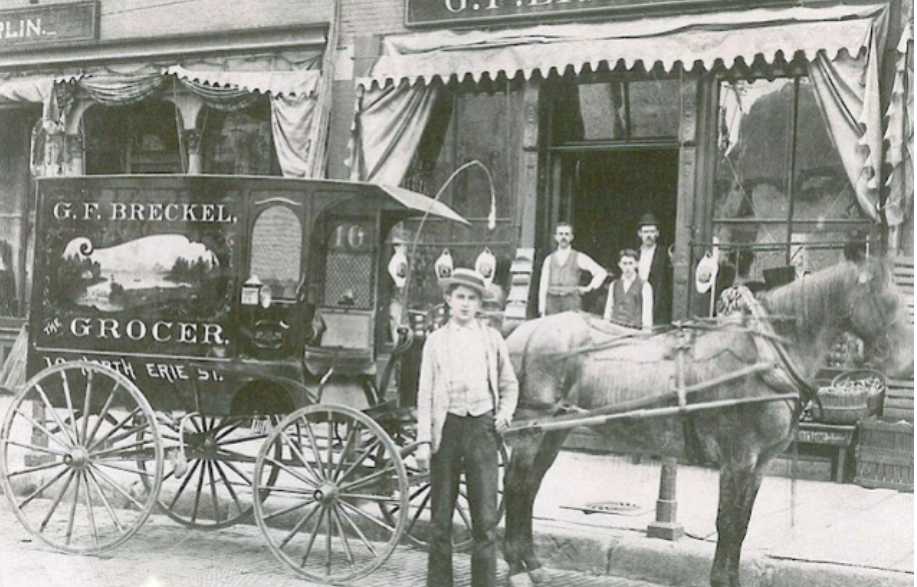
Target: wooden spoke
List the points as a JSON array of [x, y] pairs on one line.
[[43, 486], [71, 449], [336, 471]]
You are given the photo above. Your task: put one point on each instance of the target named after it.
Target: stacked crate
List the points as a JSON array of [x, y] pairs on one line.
[[885, 454], [899, 399]]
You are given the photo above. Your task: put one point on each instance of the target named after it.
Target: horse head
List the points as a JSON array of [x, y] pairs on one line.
[[876, 313]]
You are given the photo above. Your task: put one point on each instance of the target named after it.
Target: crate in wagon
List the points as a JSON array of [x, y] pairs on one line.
[[885, 454]]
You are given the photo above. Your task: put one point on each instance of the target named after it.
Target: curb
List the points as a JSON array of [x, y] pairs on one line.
[[687, 562]]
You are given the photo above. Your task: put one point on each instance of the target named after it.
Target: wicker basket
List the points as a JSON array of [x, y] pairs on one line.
[[836, 407], [875, 398]]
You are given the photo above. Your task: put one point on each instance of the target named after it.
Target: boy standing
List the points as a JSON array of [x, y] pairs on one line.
[[630, 299], [465, 400]]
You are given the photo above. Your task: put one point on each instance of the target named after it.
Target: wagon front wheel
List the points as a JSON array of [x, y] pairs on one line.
[[69, 448], [322, 518]]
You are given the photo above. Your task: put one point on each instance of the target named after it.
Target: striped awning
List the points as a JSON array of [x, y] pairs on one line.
[[695, 40]]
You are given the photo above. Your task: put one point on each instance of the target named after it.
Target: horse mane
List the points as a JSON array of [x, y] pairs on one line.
[[811, 300], [821, 299]]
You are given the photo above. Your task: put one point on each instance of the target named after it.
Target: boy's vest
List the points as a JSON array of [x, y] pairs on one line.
[[628, 309]]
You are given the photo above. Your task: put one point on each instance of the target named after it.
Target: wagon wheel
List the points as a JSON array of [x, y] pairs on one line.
[[418, 526], [68, 451], [210, 486], [337, 466]]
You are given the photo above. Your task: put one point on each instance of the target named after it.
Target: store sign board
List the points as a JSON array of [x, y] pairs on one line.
[[48, 24], [462, 12]]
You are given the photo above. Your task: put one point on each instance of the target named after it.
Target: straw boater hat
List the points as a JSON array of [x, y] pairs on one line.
[[468, 278]]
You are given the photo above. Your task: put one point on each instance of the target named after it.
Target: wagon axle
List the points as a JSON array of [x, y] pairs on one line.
[[77, 458]]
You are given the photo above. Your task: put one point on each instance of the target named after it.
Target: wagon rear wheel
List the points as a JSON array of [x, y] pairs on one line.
[[417, 530], [337, 466], [69, 447], [209, 485]]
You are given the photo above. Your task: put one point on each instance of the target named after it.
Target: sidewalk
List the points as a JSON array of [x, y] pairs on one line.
[[801, 533]]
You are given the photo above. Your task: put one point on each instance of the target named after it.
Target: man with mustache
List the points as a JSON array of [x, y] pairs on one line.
[[560, 289]]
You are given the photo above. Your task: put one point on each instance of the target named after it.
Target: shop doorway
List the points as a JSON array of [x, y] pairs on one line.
[[605, 194]]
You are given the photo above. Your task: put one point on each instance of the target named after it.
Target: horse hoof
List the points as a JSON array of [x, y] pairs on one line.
[[539, 576], [519, 580]]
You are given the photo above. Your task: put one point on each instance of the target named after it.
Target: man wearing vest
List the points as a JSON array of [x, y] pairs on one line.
[[560, 289], [630, 299], [654, 268], [465, 400]]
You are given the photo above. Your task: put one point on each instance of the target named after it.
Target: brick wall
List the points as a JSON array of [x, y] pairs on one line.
[[363, 17]]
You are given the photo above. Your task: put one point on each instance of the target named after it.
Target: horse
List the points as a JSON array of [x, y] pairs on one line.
[[574, 362]]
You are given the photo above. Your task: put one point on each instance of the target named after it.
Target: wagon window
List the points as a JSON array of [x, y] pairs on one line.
[[277, 250]]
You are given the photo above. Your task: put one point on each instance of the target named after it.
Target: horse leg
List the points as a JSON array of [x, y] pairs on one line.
[[547, 454], [518, 517], [740, 479]]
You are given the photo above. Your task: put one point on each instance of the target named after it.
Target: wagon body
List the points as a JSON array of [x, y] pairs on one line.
[[186, 333], [208, 292]]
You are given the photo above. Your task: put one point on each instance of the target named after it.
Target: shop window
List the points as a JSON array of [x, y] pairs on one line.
[[782, 194], [617, 110], [239, 142], [139, 138], [276, 251], [18, 125], [480, 122]]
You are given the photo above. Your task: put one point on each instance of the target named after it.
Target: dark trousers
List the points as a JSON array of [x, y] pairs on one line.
[[571, 302], [470, 445]]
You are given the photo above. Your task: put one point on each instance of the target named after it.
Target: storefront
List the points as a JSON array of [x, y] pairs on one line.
[[758, 129], [142, 86]]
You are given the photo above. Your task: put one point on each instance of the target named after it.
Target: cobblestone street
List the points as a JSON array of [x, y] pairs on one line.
[[163, 554]]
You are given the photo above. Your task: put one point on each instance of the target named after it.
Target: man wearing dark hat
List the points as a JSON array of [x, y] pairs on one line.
[[466, 398], [653, 268]]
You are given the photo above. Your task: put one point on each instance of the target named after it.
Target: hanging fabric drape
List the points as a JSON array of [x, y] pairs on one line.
[[225, 99], [32, 89], [388, 127], [292, 118], [847, 92], [900, 133], [293, 98], [113, 89]]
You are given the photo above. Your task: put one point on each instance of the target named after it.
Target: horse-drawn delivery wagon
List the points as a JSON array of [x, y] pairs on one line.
[[191, 339], [199, 344]]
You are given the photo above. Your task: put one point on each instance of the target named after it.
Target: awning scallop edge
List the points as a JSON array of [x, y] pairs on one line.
[[698, 40], [275, 83]]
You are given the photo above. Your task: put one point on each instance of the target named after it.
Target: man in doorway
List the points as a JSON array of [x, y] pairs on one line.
[[630, 299], [653, 267], [465, 401], [559, 289]]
